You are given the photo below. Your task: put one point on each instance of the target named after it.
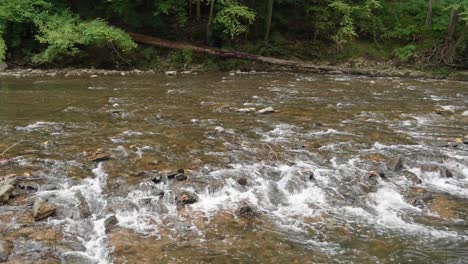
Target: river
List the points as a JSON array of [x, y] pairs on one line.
[[340, 169]]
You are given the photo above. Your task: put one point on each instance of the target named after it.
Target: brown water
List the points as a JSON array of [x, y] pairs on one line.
[[338, 128]]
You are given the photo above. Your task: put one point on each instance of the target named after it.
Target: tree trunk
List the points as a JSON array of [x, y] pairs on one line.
[[430, 4], [450, 42], [148, 40], [269, 15], [198, 11], [210, 20]]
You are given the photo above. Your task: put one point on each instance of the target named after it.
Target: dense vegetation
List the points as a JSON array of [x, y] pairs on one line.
[[48, 31]]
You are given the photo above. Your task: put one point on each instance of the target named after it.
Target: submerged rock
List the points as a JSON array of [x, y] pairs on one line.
[[186, 197], [396, 164], [42, 209], [5, 249], [6, 191]]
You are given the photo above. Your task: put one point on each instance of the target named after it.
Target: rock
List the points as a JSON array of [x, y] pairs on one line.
[[6, 191], [444, 172], [171, 175], [242, 181], [181, 177], [246, 211], [157, 179], [465, 113], [171, 73], [376, 174], [421, 201], [84, 209], [396, 164], [110, 223], [246, 110], [444, 110], [465, 140], [186, 197], [5, 250], [77, 258], [3, 66], [42, 209], [100, 155], [267, 110]]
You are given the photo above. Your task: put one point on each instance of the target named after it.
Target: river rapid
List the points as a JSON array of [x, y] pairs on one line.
[[187, 169]]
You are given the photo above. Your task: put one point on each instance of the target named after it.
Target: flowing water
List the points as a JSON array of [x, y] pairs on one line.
[[312, 190]]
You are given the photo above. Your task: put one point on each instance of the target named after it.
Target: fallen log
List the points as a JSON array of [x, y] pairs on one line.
[[153, 41]]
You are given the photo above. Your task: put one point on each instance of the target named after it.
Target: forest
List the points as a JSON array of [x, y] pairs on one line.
[[68, 32]]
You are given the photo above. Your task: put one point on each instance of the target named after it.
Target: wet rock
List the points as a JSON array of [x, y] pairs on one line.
[[465, 140], [396, 164], [446, 173], [171, 73], [242, 181], [181, 177], [5, 250], [246, 110], [83, 208], [42, 209], [267, 110], [77, 258], [6, 191], [110, 223], [444, 111], [186, 197], [376, 174], [246, 211], [171, 175], [157, 179], [100, 155], [422, 200], [412, 177]]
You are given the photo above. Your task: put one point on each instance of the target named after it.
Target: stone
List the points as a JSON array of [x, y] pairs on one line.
[[3, 66], [186, 197], [275, 195], [444, 172], [157, 179], [242, 181], [396, 164], [171, 175], [267, 110], [100, 155], [465, 140], [246, 110], [246, 211], [5, 249], [110, 223], [465, 113], [43, 209], [6, 191], [76, 258], [181, 177], [444, 110], [83, 207], [171, 73]]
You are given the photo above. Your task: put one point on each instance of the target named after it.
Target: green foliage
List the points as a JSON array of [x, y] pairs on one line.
[[62, 32], [181, 57], [234, 18], [405, 53], [65, 33]]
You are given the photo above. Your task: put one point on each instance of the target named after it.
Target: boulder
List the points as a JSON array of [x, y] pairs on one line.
[[6, 191], [186, 197], [43, 209]]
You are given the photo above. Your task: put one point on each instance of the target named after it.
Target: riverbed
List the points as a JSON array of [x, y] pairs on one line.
[[234, 168]]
